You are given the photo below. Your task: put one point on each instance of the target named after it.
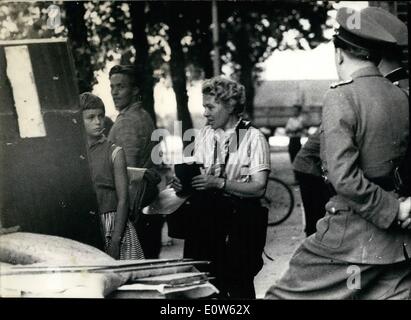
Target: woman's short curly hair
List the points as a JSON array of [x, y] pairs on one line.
[[226, 91]]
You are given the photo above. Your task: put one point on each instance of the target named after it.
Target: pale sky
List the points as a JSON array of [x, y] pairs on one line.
[[306, 64], [301, 64], [282, 65]]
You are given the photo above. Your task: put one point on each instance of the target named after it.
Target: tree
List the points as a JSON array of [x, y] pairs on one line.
[[142, 56], [102, 31], [26, 20], [119, 29], [173, 15], [176, 31], [249, 32], [77, 32], [198, 49], [187, 32], [252, 30]]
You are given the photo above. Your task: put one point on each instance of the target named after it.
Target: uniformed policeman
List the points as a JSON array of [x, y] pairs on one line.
[[357, 251], [307, 165]]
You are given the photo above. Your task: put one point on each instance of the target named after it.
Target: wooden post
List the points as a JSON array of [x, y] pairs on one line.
[[216, 55]]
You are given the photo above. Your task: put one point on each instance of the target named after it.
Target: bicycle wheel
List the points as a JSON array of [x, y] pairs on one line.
[[279, 199]]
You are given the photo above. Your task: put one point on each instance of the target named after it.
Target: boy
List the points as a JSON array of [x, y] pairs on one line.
[[109, 175]]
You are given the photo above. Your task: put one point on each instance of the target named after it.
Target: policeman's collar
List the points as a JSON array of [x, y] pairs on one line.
[[371, 71]]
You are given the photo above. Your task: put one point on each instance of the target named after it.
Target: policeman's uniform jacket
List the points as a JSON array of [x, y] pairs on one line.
[[364, 133]]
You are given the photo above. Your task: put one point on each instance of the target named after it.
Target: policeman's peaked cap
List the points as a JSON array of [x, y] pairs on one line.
[[359, 29], [390, 23]]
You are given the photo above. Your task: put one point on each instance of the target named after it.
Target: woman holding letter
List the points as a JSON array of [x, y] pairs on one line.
[[227, 224]]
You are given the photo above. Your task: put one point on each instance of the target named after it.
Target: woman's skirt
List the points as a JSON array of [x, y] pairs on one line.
[[130, 248]]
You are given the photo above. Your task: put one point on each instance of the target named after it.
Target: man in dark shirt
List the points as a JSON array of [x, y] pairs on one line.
[[314, 194]]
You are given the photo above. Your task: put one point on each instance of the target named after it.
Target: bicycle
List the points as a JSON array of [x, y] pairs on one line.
[[279, 199]]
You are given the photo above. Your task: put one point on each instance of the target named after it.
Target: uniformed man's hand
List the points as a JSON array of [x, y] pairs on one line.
[[404, 214]]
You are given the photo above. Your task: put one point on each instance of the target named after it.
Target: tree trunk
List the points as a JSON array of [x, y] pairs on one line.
[[142, 61], [247, 66], [206, 61], [208, 67], [246, 78], [177, 68], [179, 80], [77, 32]]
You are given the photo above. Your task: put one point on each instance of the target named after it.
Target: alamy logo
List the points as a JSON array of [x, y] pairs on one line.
[[354, 280], [219, 142], [54, 17], [353, 20]]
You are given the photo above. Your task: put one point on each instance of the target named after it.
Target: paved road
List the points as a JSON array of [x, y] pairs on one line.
[[282, 240]]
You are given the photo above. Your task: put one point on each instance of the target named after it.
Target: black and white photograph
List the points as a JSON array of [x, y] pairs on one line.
[[218, 151]]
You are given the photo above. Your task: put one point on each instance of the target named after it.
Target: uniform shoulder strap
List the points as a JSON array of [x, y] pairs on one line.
[[340, 83]]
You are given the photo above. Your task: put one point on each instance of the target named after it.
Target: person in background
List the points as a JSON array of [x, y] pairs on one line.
[[109, 176], [132, 131], [227, 223], [366, 226], [295, 128], [314, 192]]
